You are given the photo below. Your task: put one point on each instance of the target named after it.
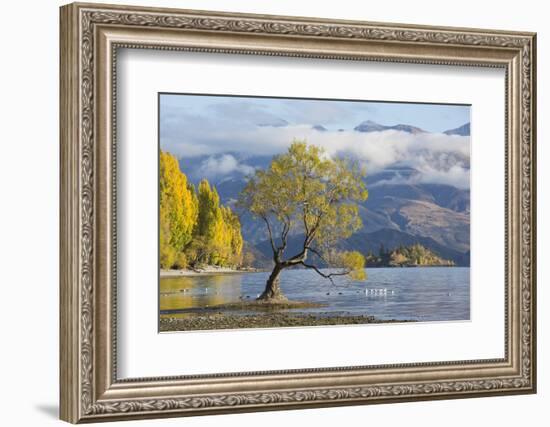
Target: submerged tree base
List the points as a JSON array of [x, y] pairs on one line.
[[263, 320], [272, 298]]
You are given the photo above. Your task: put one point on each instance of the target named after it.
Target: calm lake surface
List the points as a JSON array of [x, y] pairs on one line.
[[423, 293]]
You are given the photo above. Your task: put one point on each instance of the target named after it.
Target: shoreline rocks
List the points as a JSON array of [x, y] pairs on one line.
[[265, 320]]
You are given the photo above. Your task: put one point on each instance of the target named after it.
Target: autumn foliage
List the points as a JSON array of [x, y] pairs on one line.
[[194, 228]]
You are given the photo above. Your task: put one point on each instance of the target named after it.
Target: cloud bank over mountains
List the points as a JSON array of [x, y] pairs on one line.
[[223, 137], [439, 158], [221, 166]]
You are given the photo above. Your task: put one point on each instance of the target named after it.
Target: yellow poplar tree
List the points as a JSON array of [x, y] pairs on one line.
[[178, 210], [219, 227], [235, 238]]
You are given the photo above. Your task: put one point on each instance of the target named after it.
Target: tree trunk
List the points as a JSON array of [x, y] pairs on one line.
[[272, 290]]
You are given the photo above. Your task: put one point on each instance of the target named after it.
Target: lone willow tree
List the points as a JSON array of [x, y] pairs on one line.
[[306, 194]]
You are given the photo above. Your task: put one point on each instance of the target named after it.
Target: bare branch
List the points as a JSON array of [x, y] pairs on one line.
[[326, 276], [318, 254], [284, 234], [317, 224], [297, 259], [275, 253]]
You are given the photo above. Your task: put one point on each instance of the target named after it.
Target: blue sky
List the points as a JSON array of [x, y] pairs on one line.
[[333, 114], [207, 126]]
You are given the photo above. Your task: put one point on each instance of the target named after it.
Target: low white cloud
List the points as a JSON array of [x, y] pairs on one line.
[[456, 175], [439, 158], [219, 166]]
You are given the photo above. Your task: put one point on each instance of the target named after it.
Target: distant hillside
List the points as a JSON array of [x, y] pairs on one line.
[[370, 126], [436, 215], [406, 256], [438, 211], [254, 258], [463, 130], [390, 239]]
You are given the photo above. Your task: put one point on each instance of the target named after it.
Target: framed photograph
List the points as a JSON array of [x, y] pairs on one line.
[[267, 212]]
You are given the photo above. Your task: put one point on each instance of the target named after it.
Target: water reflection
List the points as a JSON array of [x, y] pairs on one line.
[[426, 294], [177, 293]]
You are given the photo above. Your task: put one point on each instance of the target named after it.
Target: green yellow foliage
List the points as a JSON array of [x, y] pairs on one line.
[[354, 262], [416, 255], [178, 203], [219, 228], [405, 256], [305, 187], [234, 237], [181, 261], [167, 256], [194, 228], [306, 191]]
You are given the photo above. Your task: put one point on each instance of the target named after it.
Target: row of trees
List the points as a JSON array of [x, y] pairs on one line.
[[194, 228]]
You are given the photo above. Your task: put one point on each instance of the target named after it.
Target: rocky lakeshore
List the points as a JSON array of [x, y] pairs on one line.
[[221, 320]]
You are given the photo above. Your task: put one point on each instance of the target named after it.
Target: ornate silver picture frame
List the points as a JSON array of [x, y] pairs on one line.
[[91, 36]]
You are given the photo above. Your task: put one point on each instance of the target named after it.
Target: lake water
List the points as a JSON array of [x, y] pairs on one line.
[[423, 294]]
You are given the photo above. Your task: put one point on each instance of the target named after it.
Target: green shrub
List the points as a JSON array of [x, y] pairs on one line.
[[167, 257], [181, 261]]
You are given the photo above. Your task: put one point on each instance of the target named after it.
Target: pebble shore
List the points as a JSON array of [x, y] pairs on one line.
[[264, 320]]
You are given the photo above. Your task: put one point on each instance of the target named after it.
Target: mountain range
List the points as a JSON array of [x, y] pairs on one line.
[[463, 130], [370, 126], [402, 207]]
